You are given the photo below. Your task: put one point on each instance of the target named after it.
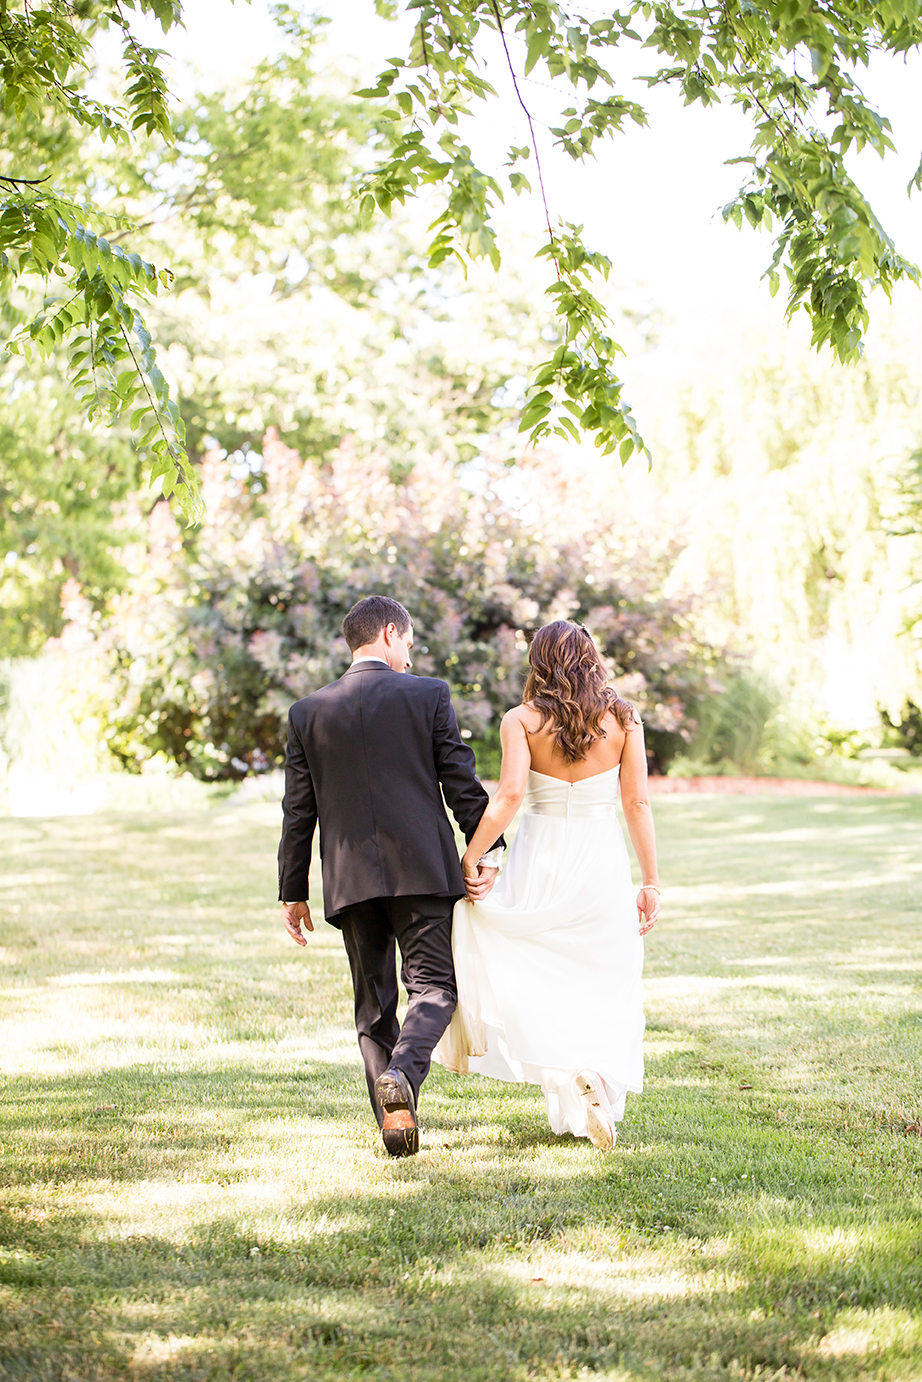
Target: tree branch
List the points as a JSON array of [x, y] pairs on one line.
[[531, 127]]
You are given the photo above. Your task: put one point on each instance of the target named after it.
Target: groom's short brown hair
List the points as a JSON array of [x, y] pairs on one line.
[[364, 622]]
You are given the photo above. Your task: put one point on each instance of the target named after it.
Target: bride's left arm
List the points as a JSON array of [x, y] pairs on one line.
[[508, 796], [635, 803]]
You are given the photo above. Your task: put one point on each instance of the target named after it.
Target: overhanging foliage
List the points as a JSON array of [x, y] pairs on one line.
[[93, 288], [789, 64]]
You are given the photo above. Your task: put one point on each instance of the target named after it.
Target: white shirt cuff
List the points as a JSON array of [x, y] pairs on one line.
[[493, 858]]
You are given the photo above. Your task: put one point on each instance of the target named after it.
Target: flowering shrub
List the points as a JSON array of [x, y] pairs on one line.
[[222, 630]]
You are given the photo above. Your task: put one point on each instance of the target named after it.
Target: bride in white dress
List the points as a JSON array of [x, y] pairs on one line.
[[549, 962]]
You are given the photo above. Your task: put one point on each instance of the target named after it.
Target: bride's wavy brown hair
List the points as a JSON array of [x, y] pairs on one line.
[[568, 685]]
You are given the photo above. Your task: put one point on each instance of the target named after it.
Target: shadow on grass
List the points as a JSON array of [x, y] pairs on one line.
[[708, 1246]]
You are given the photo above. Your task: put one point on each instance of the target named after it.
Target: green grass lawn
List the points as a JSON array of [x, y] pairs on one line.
[[193, 1187]]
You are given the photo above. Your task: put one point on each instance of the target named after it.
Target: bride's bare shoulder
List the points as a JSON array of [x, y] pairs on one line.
[[525, 715]]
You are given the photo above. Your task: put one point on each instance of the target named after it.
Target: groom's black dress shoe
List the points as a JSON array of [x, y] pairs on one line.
[[400, 1133]]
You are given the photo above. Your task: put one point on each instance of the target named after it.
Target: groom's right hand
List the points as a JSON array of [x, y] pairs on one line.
[[293, 913]]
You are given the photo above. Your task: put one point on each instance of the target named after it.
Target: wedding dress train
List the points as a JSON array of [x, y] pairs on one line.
[[549, 965]]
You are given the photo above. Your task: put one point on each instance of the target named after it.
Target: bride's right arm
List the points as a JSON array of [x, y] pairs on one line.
[[510, 793]]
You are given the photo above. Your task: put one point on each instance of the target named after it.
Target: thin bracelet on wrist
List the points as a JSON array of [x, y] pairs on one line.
[[650, 888]]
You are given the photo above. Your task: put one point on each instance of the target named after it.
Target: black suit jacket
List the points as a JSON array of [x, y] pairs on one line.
[[367, 756]]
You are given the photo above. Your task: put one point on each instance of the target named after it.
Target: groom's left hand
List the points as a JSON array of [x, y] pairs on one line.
[[479, 884]]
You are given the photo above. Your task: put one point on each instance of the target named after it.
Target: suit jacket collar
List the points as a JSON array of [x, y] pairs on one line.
[[368, 667]]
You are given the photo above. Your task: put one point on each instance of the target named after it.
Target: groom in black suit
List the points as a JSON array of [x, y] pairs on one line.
[[370, 757]]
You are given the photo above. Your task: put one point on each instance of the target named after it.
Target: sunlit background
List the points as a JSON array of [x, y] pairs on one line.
[[756, 591]]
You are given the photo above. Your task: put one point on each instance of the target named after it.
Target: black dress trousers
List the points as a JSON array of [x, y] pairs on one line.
[[421, 927]]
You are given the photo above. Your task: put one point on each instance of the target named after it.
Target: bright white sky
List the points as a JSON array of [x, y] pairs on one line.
[[650, 201]]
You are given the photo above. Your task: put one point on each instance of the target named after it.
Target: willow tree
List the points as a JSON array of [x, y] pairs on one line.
[[791, 65]]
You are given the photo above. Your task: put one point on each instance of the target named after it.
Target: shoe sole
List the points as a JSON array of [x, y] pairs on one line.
[[396, 1096], [401, 1141], [599, 1124]]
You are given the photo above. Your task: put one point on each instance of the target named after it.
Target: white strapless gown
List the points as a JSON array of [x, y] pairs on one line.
[[549, 966]]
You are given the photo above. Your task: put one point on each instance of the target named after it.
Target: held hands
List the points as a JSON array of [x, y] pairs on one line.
[[647, 909], [478, 880], [293, 913]]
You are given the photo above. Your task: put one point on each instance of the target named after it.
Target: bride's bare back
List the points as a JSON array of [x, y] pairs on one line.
[[567, 679], [603, 755]]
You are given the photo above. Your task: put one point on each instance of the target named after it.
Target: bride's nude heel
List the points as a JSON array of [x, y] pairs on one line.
[[599, 1120]]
